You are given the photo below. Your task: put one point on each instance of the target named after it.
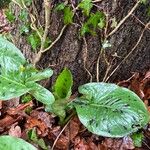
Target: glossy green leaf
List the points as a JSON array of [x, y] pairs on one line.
[[109, 110], [11, 78], [41, 94], [68, 15], [16, 78], [10, 57], [13, 143], [63, 85], [41, 75], [86, 6]]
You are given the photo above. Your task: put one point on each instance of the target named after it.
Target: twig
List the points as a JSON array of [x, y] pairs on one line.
[[47, 6], [140, 21], [97, 66], [124, 19], [54, 42], [39, 54], [109, 65], [14, 1], [33, 26], [85, 58], [96, 1], [60, 134], [139, 40]]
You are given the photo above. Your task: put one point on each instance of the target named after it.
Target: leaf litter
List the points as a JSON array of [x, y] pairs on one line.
[[16, 121]]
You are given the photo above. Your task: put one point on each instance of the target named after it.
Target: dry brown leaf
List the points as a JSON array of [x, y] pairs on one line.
[[62, 143], [43, 116], [15, 131], [54, 132], [42, 129], [74, 127], [125, 143], [81, 144]]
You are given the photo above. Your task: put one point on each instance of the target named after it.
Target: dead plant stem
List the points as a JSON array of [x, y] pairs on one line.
[[124, 19]]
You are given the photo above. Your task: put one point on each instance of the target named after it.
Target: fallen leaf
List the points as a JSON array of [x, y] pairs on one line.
[[42, 129], [74, 128], [62, 143], [15, 131]]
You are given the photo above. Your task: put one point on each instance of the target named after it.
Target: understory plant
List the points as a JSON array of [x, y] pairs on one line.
[[104, 109]]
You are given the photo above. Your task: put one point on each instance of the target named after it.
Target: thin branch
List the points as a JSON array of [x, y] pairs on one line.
[[97, 67], [140, 21], [124, 19], [33, 26], [135, 46], [47, 5], [60, 134], [96, 1], [85, 58], [54, 42]]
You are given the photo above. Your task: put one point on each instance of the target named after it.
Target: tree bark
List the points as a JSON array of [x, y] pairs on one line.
[[70, 51]]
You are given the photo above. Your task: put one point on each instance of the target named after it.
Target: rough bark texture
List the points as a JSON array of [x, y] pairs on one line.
[[69, 51]]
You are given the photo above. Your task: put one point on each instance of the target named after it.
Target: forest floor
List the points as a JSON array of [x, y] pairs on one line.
[[17, 121]]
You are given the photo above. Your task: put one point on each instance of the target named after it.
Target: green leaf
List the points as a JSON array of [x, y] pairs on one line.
[[109, 110], [24, 29], [143, 2], [94, 21], [68, 15], [18, 78], [23, 16], [148, 11], [41, 75], [84, 29], [63, 85], [33, 136], [60, 7], [40, 93], [11, 79], [34, 40], [86, 6], [13, 143], [26, 98], [10, 57], [28, 2], [9, 15], [58, 108], [137, 139]]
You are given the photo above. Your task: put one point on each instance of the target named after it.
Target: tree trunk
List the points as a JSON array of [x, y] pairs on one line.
[[71, 51]]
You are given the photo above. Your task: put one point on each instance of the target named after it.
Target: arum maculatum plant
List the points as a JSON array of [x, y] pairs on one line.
[[103, 108]]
